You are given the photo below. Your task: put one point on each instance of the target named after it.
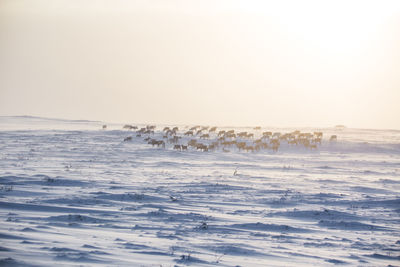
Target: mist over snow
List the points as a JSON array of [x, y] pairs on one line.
[[75, 194]]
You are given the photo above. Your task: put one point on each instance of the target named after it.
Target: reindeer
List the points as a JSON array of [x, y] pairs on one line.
[[316, 140], [202, 147], [275, 144], [318, 134], [275, 147], [276, 135], [178, 147], [221, 133], [212, 146], [152, 142], [258, 141], [241, 145], [313, 146], [293, 142], [242, 134], [192, 143], [141, 131], [230, 135], [148, 132], [189, 133], [170, 132], [229, 143], [267, 134], [157, 143], [264, 145], [161, 143], [204, 136], [129, 127]]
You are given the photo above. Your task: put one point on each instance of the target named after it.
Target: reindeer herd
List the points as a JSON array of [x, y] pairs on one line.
[[204, 138]]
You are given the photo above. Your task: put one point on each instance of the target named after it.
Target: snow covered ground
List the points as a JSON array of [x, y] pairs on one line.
[[73, 194]]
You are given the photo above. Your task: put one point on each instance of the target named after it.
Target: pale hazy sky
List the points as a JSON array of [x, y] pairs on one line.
[[268, 63]]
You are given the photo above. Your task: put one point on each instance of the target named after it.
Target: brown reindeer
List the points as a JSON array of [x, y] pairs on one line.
[[275, 144], [241, 145], [221, 133], [189, 133], [130, 127], [242, 134], [267, 134], [129, 138], [230, 135], [192, 143], [141, 131], [318, 134], [178, 147], [258, 141], [202, 147], [316, 140], [148, 132], [313, 146], [204, 136], [212, 146], [276, 135], [212, 129]]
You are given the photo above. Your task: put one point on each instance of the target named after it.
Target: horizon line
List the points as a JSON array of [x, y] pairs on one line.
[[183, 124]]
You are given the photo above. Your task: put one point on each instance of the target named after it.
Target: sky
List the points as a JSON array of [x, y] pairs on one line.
[[242, 63]]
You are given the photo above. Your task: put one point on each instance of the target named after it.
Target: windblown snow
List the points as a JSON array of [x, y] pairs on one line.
[[74, 194]]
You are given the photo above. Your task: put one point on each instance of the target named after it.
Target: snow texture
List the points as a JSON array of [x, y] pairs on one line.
[[74, 194]]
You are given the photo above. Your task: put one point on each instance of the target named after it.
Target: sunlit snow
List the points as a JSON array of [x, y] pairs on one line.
[[75, 194]]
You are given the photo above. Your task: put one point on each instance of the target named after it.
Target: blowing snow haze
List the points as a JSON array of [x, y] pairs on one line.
[[285, 63], [199, 133]]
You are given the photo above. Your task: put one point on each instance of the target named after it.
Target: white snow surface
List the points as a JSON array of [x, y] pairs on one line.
[[73, 194]]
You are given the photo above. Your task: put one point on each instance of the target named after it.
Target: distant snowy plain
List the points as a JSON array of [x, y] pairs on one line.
[[72, 194]]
